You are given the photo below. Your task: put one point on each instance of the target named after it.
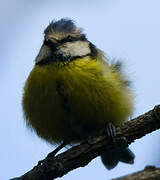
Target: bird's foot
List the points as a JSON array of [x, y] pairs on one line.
[[53, 153], [111, 131]]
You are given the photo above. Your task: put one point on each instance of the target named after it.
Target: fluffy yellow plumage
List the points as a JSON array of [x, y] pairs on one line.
[[96, 95], [65, 101]]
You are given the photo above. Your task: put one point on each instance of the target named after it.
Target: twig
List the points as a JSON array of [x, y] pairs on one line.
[[80, 155], [149, 173]]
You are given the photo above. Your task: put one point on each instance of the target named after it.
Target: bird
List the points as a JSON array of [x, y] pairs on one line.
[[74, 91]]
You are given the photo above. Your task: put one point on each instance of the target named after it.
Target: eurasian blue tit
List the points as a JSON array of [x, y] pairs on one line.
[[73, 91]]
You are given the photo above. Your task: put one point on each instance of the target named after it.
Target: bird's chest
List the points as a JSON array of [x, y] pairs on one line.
[[74, 91]]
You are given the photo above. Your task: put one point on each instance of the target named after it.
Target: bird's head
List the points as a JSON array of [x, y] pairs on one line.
[[63, 41]]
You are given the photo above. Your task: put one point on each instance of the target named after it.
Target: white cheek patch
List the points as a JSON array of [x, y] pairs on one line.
[[76, 48]]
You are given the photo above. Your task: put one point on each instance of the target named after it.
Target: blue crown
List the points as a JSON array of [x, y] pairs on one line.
[[63, 25]]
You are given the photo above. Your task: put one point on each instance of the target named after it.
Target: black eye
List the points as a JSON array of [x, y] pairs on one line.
[[83, 37], [69, 38], [47, 42], [50, 42]]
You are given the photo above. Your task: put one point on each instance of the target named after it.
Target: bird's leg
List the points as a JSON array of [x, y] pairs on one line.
[[53, 153], [111, 130]]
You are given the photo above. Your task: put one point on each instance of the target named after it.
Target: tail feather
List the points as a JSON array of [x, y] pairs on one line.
[[126, 156], [111, 158]]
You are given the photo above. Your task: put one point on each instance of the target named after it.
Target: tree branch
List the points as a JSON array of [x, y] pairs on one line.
[[149, 173], [79, 156]]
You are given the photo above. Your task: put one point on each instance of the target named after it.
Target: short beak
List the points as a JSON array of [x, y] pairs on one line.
[[44, 53]]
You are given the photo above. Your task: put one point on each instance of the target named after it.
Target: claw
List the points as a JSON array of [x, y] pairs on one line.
[[111, 130], [53, 153]]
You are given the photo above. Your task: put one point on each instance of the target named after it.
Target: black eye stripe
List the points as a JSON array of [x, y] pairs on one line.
[[48, 42], [65, 40], [71, 39]]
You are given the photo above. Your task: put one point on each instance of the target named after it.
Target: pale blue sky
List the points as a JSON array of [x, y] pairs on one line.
[[124, 29]]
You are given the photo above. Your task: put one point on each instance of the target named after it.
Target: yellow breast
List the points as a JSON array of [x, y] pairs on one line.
[[62, 102]]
